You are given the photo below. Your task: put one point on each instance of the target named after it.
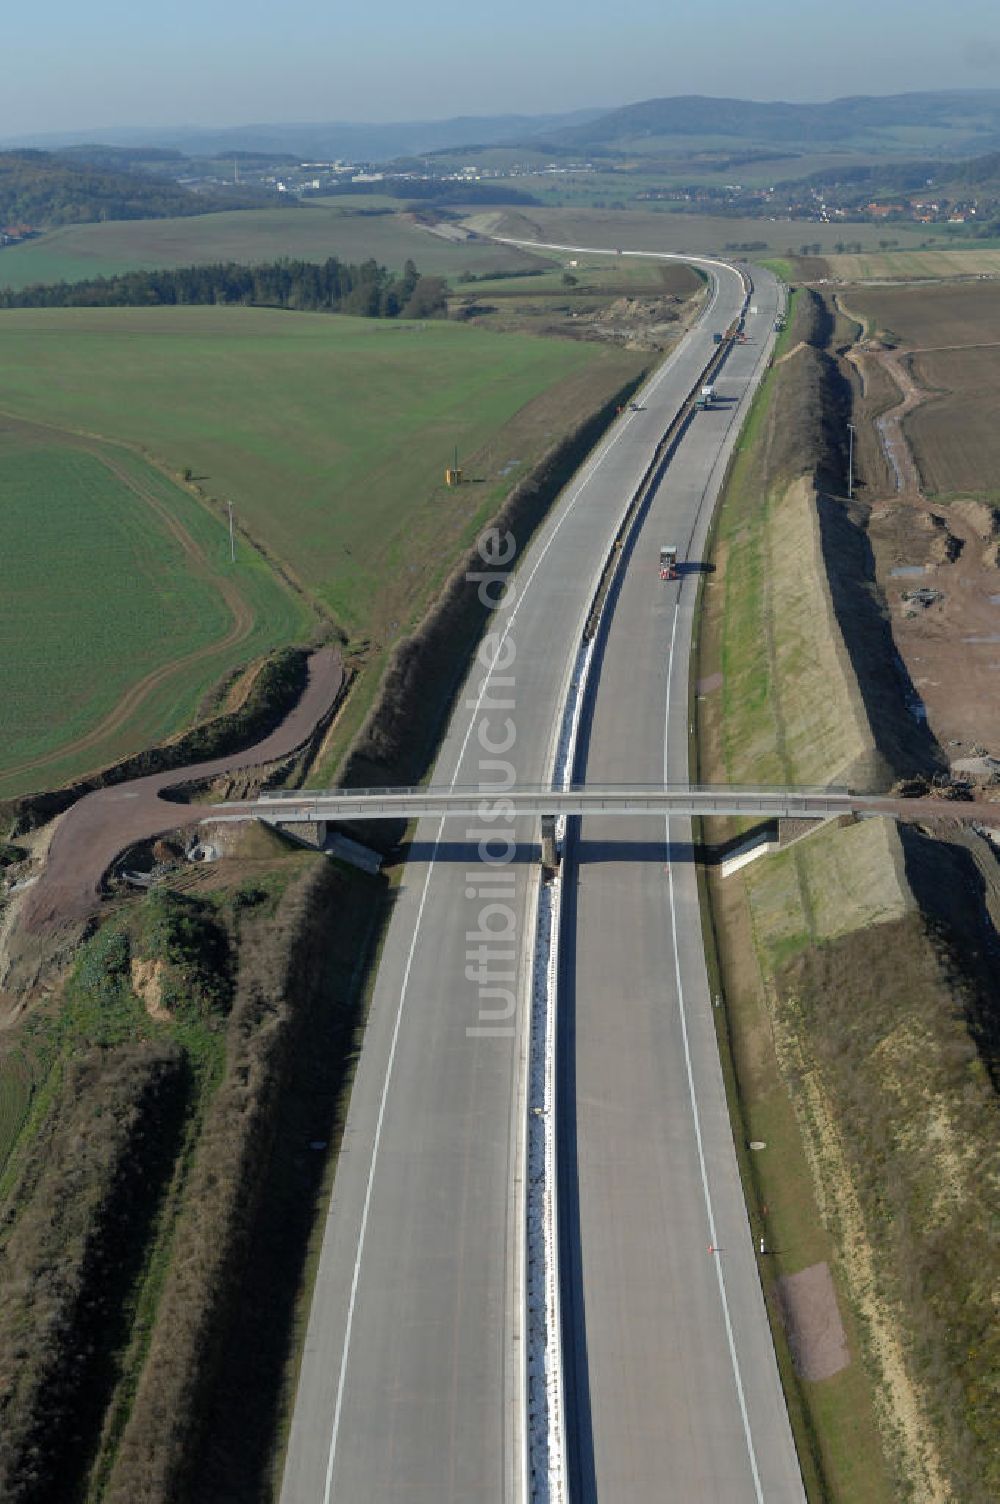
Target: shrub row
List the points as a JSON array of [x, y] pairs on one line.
[[88, 1191], [282, 963]]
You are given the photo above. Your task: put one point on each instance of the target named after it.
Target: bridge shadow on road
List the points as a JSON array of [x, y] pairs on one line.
[[586, 853]]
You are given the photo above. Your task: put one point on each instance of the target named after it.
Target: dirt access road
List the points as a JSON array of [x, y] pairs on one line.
[[99, 826], [949, 643]]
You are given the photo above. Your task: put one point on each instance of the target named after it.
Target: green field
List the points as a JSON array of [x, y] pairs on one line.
[[120, 607], [313, 233], [652, 230], [331, 434]]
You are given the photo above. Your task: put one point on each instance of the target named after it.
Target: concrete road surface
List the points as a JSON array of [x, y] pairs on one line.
[[674, 1382], [410, 1383]]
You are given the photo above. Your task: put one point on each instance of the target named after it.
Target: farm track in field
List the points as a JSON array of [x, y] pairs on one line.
[[242, 626]]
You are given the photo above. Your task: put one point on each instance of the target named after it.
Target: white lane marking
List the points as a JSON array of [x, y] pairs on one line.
[[596, 250], [692, 1093], [592, 466], [331, 1457]]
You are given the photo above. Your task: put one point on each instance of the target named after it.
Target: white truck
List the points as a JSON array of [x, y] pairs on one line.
[[668, 562]]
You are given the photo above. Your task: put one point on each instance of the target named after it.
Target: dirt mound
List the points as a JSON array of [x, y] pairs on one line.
[[980, 516], [147, 984], [945, 548], [815, 1331]]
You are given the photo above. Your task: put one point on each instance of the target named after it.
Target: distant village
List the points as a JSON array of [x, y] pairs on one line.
[[832, 203]]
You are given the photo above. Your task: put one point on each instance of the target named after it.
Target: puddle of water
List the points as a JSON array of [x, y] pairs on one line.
[[907, 570], [987, 637], [995, 600]]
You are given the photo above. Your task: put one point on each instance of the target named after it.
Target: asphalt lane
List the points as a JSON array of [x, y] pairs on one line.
[[674, 1381], [409, 1388]]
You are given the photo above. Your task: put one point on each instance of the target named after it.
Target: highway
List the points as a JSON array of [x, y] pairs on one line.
[[410, 1385], [676, 1386]]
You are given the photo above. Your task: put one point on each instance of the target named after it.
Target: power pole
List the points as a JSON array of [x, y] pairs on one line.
[[232, 539]]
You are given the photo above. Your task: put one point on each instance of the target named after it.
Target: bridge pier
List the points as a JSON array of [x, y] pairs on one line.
[[550, 851]]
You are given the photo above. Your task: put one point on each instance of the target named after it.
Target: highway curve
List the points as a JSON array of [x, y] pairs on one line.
[[102, 824], [410, 1384]]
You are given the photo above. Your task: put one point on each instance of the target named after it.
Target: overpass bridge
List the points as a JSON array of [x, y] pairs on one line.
[[319, 808], [294, 806]]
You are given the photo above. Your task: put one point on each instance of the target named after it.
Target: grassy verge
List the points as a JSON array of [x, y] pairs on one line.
[[780, 266], [751, 729]]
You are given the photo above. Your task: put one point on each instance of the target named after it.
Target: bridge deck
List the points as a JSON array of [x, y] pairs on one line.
[[297, 806]]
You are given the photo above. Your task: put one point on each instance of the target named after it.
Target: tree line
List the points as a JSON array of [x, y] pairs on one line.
[[40, 189], [367, 290]]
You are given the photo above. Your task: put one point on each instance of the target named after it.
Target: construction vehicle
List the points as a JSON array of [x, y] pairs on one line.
[[717, 339], [668, 562], [707, 397]]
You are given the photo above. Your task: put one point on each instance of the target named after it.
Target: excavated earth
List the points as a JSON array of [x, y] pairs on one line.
[[938, 568]]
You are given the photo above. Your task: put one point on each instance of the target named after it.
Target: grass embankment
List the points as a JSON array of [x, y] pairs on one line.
[[159, 1201], [836, 985], [102, 551]]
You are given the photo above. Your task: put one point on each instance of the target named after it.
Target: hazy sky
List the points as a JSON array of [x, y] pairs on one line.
[[77, 64]]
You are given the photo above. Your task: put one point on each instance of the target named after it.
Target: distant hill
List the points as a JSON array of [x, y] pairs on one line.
[[44, 189], [955, 123], [326, 142], [967, 116], [975, 175]]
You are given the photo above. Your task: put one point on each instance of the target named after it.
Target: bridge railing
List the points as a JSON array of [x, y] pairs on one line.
[[457, 792]]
